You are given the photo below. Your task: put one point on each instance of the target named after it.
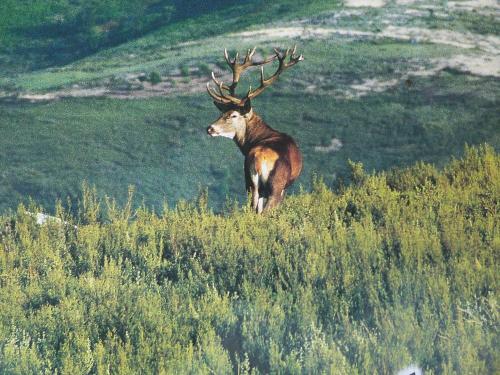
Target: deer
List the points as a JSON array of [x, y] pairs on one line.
[[273, 160]]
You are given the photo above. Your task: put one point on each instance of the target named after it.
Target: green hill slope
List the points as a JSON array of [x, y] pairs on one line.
[[160, 146], [399, 269], [40, 34], [408, 85]]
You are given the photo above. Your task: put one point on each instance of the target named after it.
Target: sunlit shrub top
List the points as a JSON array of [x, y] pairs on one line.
[[396, 269]]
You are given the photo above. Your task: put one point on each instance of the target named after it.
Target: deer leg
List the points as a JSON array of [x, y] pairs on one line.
[[277, 183], [252, 184], [274, 200], [255, 192], [255, 199], [260, 206]]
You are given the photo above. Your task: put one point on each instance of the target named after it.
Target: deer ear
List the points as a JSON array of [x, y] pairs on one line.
[[247, 106], [221, 106]]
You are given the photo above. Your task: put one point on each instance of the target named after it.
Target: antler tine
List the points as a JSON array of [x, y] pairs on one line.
[[250, 54], [221, 97], [294, 60], [281, 67], [239, 67], [214, 95], [226, 56], [219, 83], [290, 52]]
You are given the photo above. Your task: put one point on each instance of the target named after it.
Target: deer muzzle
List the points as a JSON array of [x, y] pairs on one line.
[[211, 131]]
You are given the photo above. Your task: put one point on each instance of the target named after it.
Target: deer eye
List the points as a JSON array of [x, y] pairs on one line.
[[234, 116]]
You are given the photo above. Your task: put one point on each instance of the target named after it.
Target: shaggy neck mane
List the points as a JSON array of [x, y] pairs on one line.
[[256, 130]]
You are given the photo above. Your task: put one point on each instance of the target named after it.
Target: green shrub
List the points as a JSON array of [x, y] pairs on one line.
[[154, 78], [119, 83], [184, 69], [204, 70], [396, 269]]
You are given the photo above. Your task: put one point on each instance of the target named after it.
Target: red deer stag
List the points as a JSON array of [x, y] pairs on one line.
[[272, 159]]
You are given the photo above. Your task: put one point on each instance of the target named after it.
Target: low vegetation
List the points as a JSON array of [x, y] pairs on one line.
[[398, 268]]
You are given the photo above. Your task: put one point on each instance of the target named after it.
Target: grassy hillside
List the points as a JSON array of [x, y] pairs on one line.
[[400, 268], [160, 146], [389, 96], [39, 34]]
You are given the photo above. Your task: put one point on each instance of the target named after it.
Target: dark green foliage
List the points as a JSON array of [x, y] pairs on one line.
[[184, 69], [154, 78], [59, 31], [204, 70], [401, 268], [41, 33]]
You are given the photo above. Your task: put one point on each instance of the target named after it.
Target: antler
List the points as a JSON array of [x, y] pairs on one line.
[[238, 68], [281, 67]]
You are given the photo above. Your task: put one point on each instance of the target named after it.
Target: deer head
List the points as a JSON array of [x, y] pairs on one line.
[[237, 111]]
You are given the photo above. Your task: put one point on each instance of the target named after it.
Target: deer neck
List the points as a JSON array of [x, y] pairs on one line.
[[255, 131]]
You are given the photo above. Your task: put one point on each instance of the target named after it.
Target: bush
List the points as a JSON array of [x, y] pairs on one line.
[[119, 83], [154, 78], [184, 69], [395, 270], [204, 70]]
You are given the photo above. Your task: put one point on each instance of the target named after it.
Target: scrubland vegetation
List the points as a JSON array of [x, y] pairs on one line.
[[365, 269], [410, 106], [398, 268]]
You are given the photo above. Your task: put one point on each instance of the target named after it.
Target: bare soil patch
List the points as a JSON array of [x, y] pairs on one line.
[[365, 3], [334, 146], [481, 53]]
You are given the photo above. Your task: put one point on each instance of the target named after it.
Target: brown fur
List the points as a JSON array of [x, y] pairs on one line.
[[264, 158], [262, 144], [272, 159]]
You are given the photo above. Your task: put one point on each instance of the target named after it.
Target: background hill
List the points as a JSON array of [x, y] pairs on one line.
[[383, 85]]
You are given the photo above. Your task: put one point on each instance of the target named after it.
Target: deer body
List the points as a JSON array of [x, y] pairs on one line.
[[272, 159]]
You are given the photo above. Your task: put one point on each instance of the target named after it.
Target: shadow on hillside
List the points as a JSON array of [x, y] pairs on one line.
[[61, 41]]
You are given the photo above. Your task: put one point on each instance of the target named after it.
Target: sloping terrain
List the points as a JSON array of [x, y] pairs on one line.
[[477, 52], [397, 269], [393, 83]]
